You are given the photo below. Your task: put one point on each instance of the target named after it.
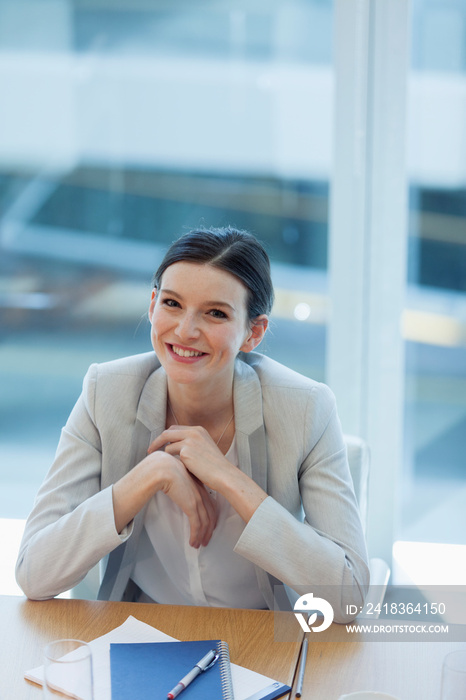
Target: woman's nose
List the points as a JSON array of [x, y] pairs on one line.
[[188, 326]]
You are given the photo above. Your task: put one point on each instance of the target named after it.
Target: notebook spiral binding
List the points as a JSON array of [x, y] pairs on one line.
[[225, 670]]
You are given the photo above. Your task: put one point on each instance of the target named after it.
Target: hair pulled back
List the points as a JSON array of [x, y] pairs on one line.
[[235, 251]]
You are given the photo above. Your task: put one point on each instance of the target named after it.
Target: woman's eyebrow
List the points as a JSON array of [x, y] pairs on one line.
[[171, 292], [220, 303]]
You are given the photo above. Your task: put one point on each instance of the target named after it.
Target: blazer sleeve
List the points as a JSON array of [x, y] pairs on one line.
[[322, 547], [71, 526]]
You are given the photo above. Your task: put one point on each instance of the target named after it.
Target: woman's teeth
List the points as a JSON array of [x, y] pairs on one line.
[[186, 353]]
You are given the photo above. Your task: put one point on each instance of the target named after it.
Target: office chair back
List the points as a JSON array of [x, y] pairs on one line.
[[359, 462]]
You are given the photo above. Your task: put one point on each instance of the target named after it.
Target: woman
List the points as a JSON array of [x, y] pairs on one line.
[[203, 473]]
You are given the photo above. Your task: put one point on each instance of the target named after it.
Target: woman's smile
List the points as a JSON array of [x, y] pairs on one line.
[[183, 354]]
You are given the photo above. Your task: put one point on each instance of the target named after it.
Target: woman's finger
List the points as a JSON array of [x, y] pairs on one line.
[[205, 518], [176, 433], [191, 496]]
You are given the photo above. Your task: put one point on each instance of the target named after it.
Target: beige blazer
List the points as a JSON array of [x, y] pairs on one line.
[[307, 534]]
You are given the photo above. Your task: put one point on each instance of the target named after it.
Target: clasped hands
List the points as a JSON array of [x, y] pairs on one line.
[[196, 463], [181, 462]]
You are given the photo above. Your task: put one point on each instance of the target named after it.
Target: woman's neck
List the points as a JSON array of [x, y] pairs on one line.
[[192, 405]]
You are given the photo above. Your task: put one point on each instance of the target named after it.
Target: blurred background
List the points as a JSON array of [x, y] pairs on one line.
[[124, 124]]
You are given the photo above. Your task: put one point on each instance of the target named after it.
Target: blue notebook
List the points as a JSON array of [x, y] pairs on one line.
[[149, 671]]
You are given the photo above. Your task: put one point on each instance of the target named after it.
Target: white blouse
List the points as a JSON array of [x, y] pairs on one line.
[[168, 570]]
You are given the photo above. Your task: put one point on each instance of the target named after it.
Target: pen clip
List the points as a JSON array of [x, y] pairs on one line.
[[217, 654]]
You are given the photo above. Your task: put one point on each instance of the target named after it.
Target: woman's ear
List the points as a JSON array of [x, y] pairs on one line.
[[258, 326], [153, 298]]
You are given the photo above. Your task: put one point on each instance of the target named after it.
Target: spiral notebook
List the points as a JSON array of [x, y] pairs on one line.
[[151, 670]]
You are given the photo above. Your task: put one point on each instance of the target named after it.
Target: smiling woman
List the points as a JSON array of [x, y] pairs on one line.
[[202, 473], [199, 318]]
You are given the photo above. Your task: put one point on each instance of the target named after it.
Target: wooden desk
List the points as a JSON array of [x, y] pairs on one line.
[[407, 670], [27, 626]]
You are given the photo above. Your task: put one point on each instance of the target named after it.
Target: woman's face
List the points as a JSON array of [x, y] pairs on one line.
[[200, 323]]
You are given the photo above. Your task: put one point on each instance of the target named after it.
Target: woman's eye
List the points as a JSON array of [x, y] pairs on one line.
[[172, 303], [216, 313]]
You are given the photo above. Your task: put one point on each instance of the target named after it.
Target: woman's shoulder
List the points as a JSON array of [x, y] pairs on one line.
[[123, 377], [119, 383], [285, 393], [274, 374], [138, 366]]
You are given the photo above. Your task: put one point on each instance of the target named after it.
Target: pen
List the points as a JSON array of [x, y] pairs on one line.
[[206, 662], [302, 667]]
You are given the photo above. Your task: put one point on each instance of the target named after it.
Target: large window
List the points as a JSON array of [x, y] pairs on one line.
[[434, 485], [124, 126]]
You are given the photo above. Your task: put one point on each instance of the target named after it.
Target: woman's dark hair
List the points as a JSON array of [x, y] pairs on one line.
[[237, 252]]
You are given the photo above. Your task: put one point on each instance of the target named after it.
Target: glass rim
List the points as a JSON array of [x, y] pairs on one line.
[[451, 657], [79, 644]]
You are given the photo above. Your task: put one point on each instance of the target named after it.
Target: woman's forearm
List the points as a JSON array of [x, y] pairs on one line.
[[241, 492], [133, 491], [55, 555]]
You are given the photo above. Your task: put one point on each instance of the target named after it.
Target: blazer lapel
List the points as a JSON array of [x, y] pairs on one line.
[[252, 453], [249, 424], [149, 423]]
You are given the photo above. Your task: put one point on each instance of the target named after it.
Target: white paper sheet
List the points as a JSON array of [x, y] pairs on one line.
[[245, 682]]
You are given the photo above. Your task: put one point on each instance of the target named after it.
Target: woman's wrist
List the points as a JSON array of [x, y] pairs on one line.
[[241, 492], [133, 491]]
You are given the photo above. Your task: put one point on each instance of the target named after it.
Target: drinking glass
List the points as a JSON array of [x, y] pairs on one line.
[[454, 676], [367, 695], [68, 667]]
